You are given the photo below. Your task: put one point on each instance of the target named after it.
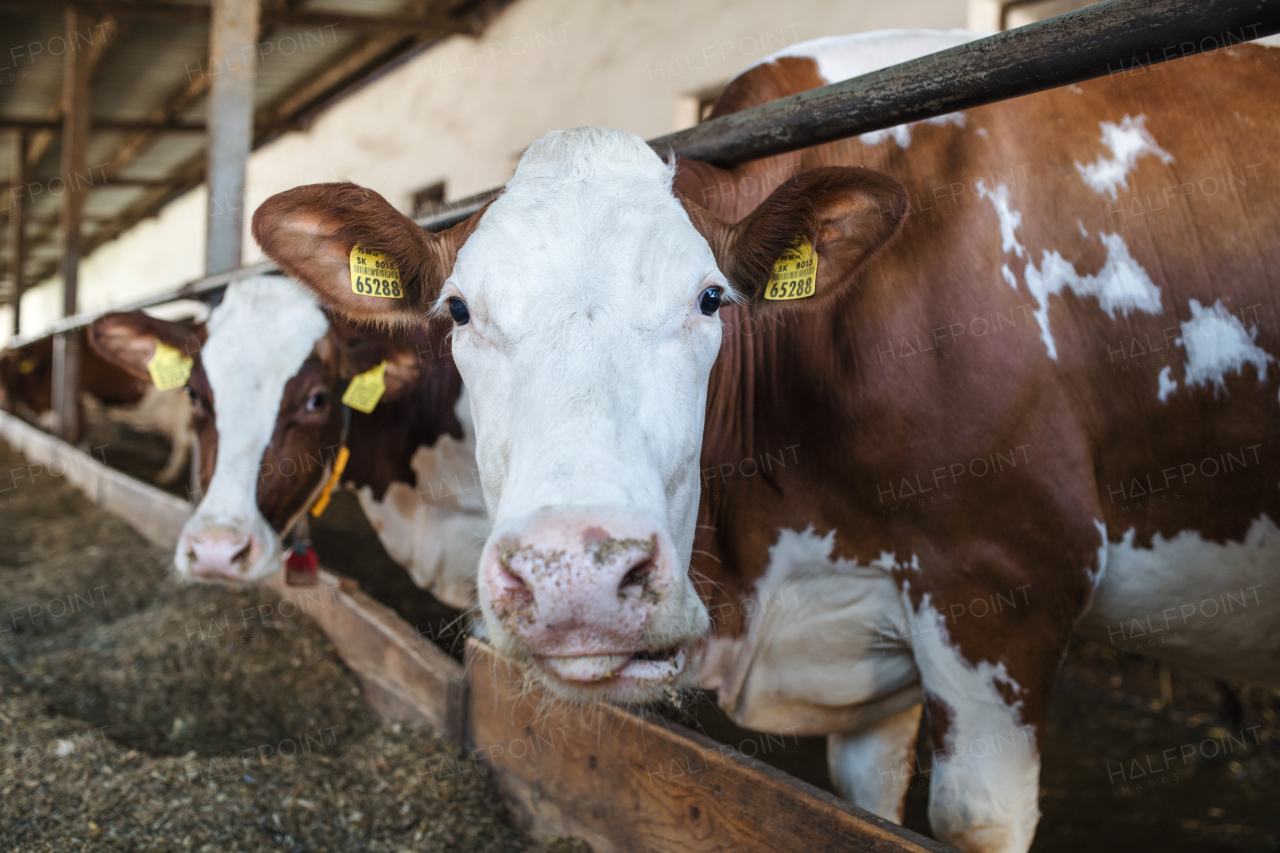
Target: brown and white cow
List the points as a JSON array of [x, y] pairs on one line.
[[107, 392], [997, 406], [266, 388]]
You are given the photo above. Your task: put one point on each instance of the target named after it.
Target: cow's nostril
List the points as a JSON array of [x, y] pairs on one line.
[[242, 556], [639, 582], [638, 575], [509, 581]]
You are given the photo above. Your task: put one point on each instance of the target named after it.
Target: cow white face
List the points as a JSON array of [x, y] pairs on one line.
[[259, 339], [585, 308], [586, 324]]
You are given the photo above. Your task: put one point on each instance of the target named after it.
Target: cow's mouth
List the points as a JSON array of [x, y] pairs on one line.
[[653, 666]]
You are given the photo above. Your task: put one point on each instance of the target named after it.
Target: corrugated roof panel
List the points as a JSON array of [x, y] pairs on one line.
[[156, 59], [32, 71]]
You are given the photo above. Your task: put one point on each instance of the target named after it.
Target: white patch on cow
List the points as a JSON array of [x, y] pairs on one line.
[[1009, 277], [873, 767], [165, 412], [1121, 285], [1167, 384], [1194, 602], [436, 530], [982, 131], [901, 133], [845, 57], [1083, 231], [1217, 343], [259, 336], [1100, 569], [825, 647], [986, 777], [1010, 219], [1129, 140], [1267, 41]]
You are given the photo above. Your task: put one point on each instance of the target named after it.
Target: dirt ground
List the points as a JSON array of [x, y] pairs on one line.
[[1108, 782], [137, 713]]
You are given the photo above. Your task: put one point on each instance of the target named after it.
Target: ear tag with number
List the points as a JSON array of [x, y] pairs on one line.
[[169, 368], [795, 273], [374, 274], [366, 390]]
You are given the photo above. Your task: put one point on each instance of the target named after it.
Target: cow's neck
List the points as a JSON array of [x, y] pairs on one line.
[[413, 469]]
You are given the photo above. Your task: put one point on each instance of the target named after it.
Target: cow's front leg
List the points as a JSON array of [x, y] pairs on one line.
[[872, 766], [984, 790]]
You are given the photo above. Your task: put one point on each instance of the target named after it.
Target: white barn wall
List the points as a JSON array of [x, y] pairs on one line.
[[462, 112]]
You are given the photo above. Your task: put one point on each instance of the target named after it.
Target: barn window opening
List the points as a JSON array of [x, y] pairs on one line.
[[695, 107], [428, 199]]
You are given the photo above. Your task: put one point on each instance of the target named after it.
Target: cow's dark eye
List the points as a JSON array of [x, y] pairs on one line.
[[709, 301], [317, 401], [458, 311], [190, 392]]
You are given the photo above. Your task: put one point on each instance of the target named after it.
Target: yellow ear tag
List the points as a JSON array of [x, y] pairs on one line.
[[367, 389], [169, 368], [795, 273], [374, 274]]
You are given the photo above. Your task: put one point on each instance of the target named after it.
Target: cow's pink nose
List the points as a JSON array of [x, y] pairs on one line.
[[580, 587], [222, 552]]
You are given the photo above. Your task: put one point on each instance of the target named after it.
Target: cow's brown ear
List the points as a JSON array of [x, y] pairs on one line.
[[846, 214], [128, 339], [310, 232]]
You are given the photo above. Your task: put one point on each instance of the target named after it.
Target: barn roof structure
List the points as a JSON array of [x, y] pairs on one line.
[[149, 75]]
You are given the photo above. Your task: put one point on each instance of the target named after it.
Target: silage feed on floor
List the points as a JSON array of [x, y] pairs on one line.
[[139, 713]]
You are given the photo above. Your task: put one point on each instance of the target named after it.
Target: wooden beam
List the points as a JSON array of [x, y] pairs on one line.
[[403, 24], [232, 37], [97, 182], [75, 146], [53, 126], [17, 223]]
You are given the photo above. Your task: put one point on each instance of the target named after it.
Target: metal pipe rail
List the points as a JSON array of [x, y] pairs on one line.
[[1117, 35]]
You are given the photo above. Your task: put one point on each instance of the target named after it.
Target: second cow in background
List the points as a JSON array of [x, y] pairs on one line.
[[266, 391]]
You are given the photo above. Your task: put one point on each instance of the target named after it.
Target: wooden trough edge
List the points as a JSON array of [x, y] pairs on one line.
[[623, 783], [156, 514]]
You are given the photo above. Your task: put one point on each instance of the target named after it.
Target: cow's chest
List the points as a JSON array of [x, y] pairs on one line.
[[825, 646], [436, 527]]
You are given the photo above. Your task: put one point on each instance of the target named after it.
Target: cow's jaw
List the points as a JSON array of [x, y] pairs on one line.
[[258, 338], [587, 361]]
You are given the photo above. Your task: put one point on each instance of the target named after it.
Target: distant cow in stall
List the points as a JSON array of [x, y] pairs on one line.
[[1006, 381], [266, 389], [107, 392]]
